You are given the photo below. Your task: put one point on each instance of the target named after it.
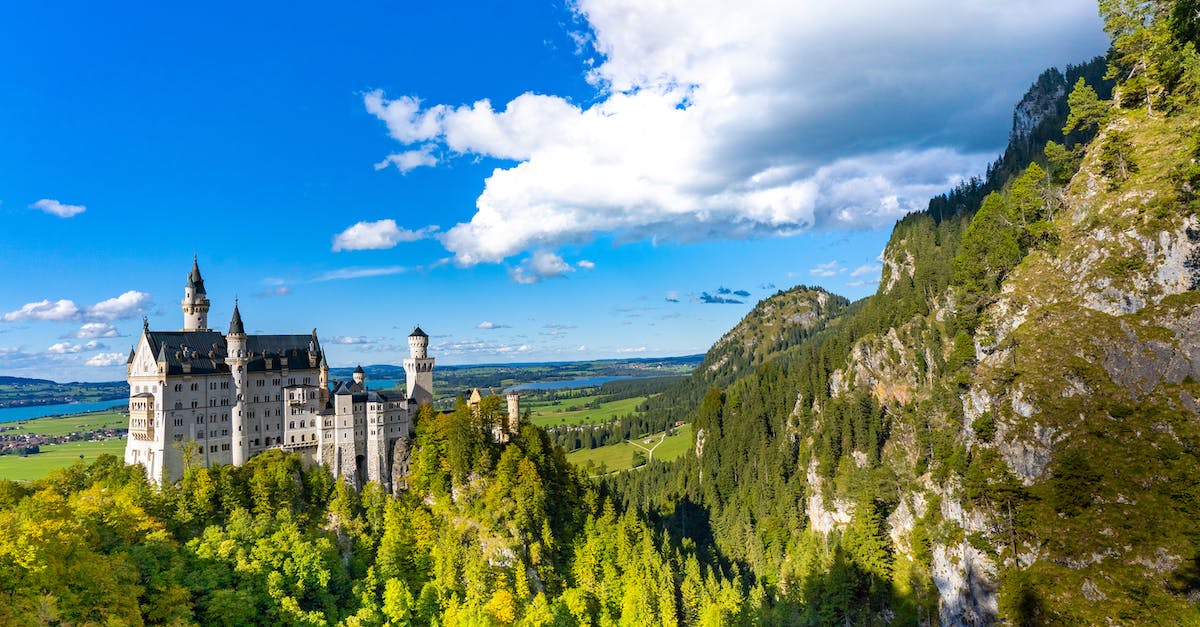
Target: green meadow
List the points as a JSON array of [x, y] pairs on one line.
[[55, 456], [617, 457]]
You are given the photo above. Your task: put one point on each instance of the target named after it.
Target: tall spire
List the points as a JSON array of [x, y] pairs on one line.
[[235, 325], [195, 281]]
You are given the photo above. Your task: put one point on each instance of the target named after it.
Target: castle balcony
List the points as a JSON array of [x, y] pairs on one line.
[[141, 416]]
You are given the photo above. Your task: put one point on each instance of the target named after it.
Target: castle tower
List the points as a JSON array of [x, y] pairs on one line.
[[418, 368], [195, 301], [237, 358], [360, 378], [514, 411]]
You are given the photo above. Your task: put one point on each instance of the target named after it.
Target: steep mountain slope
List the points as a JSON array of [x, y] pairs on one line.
[[1010, 428]]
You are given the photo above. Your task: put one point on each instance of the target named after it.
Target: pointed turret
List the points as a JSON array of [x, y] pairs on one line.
[[195, 301], [235, 324], [194, 280]]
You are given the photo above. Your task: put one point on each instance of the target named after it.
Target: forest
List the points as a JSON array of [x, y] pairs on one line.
[[876, 462]]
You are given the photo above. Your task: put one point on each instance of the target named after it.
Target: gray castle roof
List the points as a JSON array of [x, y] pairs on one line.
[[194, 280], [205, 351], [235, 323], [417, 332]]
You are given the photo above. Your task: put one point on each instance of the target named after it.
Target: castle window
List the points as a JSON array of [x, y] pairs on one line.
[[178, 437], [275, 382], [195, 386], [212, 449], [194, 404], [178, 387], [178, 405]]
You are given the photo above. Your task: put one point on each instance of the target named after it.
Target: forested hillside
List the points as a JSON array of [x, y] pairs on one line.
[[1007, 431]]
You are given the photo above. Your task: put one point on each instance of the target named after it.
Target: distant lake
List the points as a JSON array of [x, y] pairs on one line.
[[585, 382], [13, 414]]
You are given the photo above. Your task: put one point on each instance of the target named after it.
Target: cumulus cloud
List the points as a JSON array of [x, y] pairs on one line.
[[586, 265], [774, 123], [717, 299], [378, 235], [67, 348], [91, 330], [60, 310], [410, 159], [864, 270], [55, 208], [542, 264], [826, 270], [106, 359], [488, 325], [281, 290], [128, 305], [477, 348], [347, 340]]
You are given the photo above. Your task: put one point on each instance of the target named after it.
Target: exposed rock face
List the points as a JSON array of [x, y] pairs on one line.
[[820, 519], [401, 454]]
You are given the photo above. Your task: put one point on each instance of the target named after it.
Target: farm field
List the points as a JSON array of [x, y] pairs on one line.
[[571, 411], [62, 425], [618, 457], [56, 456]]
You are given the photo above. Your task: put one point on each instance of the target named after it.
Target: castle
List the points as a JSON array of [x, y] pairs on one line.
[[197, 396]]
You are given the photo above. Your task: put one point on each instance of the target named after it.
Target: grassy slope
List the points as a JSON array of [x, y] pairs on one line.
[[618, 457], [571, 412], [62, 425], [56, 456]]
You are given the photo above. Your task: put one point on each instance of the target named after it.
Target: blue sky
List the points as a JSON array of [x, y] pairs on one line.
[[526, 181]]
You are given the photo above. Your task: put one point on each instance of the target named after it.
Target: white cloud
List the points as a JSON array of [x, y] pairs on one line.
[[640, 349], [349, 340], [55, 208], [281, 290], [586, 265], [63, 348], [542, 264], [378, 235], [480, 348], [863, 270], [94, 330], [410, 159], [358, 273], [106, 359], [59, 310], [827, 269], [488, 325], [776, 122], [127, 305]]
